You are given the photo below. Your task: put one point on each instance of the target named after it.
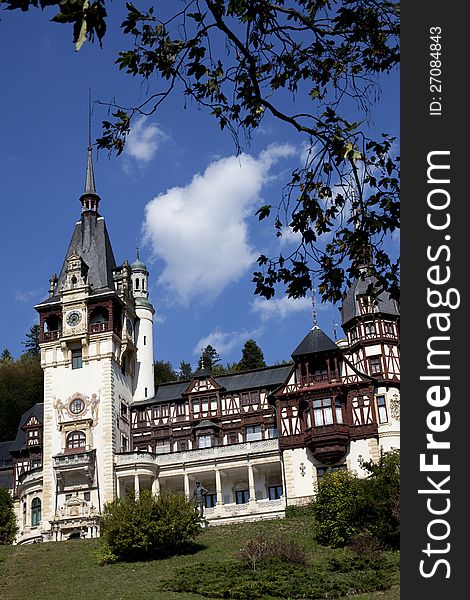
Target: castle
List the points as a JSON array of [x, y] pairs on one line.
[[257, 440]]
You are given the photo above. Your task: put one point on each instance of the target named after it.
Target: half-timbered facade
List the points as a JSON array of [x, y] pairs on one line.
[[257, 440]]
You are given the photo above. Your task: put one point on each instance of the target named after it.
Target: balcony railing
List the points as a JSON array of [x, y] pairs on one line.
[[197, 455], [50, 336], [99, 327], [75, 460]]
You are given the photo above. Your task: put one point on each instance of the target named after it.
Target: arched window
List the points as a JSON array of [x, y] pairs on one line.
[[74, 282], [76, 439], [136, 284], [35, 512]]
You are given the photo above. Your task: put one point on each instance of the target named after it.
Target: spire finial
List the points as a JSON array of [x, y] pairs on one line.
[[314, 310], [89, 118], [89, 198], [137, 250]]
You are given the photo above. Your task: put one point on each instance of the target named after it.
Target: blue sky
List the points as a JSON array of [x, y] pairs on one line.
[[178, 189]]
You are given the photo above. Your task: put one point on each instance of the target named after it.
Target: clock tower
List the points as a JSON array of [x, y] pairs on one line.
[[89, 328]]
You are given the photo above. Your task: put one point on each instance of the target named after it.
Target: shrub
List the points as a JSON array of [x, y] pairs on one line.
[[337, 508], [8, 527], [148, 527], [346, 505]]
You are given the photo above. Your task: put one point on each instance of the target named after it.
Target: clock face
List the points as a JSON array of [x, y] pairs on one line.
[[74, 318]]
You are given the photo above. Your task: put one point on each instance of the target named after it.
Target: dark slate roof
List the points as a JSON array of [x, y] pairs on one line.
[[90, 240], [5, 457], [38, 411], [6, 480], [315, 341], [260, 378], [350, 308]]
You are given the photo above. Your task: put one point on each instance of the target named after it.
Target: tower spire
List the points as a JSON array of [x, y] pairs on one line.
[[89, 199]]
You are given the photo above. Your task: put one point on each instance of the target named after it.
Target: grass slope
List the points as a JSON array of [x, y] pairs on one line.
[[69, 570]]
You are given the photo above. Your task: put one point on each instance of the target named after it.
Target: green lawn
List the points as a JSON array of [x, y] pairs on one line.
[[69, 570]]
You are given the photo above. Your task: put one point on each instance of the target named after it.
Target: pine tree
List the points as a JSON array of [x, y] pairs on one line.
[[32, 341], [8, 527], [208, 359], [163, 372], [186, 371], [252, 356], [6, 356]]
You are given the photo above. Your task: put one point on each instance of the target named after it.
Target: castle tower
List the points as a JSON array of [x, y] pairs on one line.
[[145, 385], [372, 329], [88, 353]]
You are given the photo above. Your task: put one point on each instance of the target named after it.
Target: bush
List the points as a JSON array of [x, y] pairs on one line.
[[8, 527], [346, 505], [148, 527]]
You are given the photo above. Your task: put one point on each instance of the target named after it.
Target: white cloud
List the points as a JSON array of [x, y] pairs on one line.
[[224, 341], [144, 140], [200, 230], [280, 308]]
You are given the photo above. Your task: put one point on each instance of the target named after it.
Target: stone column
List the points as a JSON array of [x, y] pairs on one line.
[[156, 487], [251, 483], [218, 487], [136, 486], [186, 485]]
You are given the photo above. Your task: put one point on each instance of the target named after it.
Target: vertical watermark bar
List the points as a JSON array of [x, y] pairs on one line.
[[435, 210]]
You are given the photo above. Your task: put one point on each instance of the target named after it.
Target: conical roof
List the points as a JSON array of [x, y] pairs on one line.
[[315, 341], [351, 309]]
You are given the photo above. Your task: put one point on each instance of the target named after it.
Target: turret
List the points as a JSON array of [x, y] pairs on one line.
[[145, 386]]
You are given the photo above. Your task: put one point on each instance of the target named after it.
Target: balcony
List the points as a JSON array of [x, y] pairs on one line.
[[50, 336], [328, 442], [199, 455], [70, 467], [99, 327], [30, 477]]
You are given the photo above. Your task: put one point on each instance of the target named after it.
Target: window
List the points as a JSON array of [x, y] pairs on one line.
[[36, 463], [124, 443], [248, 398], [388, 328], [77, 358], [233, 438], [382, 408], [33, 437], [77, 406], [181, 445], [145, 340], [274, 492], [24, 514], [324, 470], [124, 411], [204, 441], [74, 282], [253, 433], [67, 497], [86, 496], [76, 439], [338, 411], [210, 500], [322, 412], [375, 364], [369, 328], [273, 433], [242, 496], [35, 512], [307, 418]]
